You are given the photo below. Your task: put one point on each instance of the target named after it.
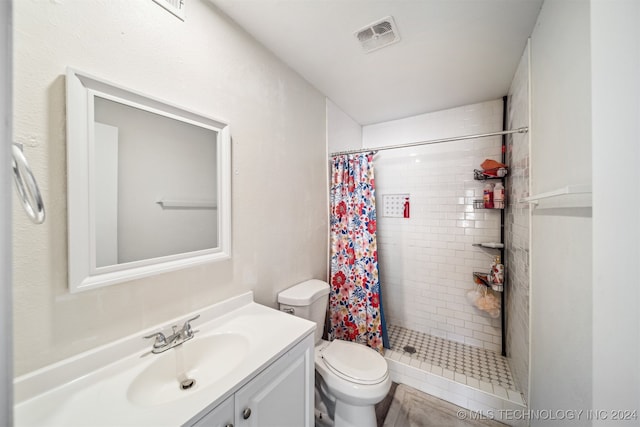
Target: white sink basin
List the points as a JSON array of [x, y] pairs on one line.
[[114, 386], [203, 359]]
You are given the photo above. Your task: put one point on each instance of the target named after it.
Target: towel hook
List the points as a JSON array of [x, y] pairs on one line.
[[27, 186]]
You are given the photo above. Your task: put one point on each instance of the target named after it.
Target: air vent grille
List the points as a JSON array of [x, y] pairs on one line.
[[383, 27], [174, 6], [378, 34]]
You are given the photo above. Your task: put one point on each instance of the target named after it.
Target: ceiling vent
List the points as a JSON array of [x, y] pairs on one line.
[[378, 34]]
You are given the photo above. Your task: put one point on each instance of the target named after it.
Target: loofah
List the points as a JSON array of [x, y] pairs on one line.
[[473, 296], [489, 303]]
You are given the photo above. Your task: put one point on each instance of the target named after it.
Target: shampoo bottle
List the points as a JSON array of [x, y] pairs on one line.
[[498, 271], [490, 276], [498, 196], [488, 196]]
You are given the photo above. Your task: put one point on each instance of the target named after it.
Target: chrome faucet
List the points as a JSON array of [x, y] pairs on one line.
[[163, 343]]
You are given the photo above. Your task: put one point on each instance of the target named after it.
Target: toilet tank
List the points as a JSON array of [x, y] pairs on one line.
[[307, 300]]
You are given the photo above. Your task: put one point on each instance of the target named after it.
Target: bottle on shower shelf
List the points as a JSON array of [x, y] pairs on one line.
[[488, 196], [490, 278], [498, 196], [498, 271]]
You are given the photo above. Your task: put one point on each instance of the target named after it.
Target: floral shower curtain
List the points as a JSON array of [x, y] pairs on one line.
[[355, 304]]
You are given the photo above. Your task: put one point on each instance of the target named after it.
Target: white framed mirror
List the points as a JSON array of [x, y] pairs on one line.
[[149, 185]]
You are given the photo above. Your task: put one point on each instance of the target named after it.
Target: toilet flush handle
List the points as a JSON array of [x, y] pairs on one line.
[[289, 310]]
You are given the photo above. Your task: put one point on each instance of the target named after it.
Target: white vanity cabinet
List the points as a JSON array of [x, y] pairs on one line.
[[281, 395], [221, 416]]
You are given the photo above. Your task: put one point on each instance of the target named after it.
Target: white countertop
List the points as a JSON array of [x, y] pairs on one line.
[[91, 389]]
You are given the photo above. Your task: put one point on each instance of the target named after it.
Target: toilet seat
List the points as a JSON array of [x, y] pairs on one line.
[[354, 362]]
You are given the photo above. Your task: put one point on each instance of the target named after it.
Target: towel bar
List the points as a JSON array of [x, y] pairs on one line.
[[27, 186]]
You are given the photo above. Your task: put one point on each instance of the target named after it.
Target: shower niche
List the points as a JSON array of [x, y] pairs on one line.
[[396, 205]]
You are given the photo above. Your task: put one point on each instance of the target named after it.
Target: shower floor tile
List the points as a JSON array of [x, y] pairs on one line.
[[452, 358]]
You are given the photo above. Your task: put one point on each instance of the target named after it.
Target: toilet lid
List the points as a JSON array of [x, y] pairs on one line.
[[355, 362]]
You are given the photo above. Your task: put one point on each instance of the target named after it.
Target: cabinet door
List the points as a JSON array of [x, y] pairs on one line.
[[221, 416], [282, 395]]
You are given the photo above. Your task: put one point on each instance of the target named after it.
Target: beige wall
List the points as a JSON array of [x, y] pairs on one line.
[[207, 64]]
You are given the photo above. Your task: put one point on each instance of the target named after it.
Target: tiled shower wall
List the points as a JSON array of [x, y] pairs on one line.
[[427, 260], [517, 227]]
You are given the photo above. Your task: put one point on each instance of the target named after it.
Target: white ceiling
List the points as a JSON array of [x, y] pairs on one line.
[[451, 52]]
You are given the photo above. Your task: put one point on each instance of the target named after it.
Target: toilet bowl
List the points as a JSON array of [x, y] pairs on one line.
[[352, 377], [356, 376]]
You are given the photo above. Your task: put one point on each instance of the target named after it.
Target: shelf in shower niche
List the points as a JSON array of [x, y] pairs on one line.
[[482, 278]]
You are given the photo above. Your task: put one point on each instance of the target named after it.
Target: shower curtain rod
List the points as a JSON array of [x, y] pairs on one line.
[[432, 141]]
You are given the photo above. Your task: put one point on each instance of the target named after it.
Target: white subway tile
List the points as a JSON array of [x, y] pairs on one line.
[[434, 247]]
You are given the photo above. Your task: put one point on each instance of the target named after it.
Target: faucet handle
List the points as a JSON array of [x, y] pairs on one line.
[[197, 316], [160, 339], [186, 328]]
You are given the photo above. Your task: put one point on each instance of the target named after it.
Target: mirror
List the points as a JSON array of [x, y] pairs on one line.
[[148, 185]]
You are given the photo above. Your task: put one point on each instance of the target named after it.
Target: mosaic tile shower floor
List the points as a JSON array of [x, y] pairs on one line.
[[474, 362]]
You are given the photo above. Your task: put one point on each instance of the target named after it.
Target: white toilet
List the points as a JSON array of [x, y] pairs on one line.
[[350, 378]]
